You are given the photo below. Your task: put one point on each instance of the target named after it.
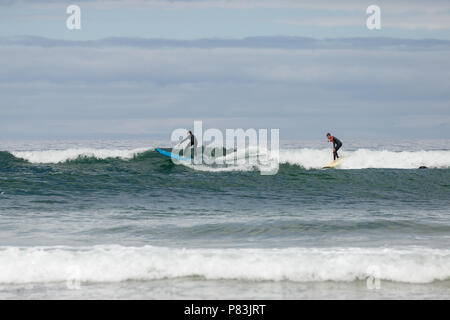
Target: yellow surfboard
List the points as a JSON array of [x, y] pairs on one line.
[[334, 163]]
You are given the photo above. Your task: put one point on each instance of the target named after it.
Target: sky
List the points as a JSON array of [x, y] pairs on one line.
[[144, 68]]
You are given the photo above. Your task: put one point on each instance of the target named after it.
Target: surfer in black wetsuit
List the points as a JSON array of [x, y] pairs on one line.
[[192, 143], [337, 144]]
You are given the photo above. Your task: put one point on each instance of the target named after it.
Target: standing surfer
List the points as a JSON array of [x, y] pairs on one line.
[[337, 144], [192, 143]]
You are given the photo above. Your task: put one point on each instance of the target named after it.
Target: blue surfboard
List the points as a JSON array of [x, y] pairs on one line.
[[172, 155]]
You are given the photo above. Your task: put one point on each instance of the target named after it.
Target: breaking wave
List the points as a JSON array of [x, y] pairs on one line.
[[305, 158], [115, 263]]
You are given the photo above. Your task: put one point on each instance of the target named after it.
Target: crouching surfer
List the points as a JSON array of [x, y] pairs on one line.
[[337, 144]]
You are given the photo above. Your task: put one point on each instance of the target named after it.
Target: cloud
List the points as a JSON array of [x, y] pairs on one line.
[[278, 42], [411, 20], [404, 14], [117, 86], [399, 5]]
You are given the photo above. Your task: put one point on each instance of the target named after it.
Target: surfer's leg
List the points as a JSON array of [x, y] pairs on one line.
[[195, 148], [185, 151], [336, 156]]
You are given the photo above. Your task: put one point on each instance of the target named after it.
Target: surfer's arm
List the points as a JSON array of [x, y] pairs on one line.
[[182, 141], [337, 143]]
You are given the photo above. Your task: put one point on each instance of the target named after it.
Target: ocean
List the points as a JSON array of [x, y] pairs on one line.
[[116, 220]]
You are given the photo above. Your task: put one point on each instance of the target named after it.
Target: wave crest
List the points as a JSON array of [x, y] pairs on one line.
[[118, 263], [60, 156], [305, 158], [365, 159]]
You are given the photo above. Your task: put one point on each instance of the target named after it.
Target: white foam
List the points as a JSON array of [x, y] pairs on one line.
[[118, 263], [364, 158], [248, 159], [58, 156], [240, 161]]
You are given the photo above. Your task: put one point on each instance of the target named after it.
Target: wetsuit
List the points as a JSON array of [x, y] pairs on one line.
[[192, 143], [337, 144]]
